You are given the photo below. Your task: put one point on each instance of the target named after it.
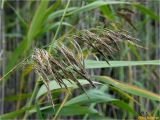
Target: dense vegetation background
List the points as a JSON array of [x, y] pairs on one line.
[[125, 89]]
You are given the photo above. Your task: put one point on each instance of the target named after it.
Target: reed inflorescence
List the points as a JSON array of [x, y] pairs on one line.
[[64, 63]]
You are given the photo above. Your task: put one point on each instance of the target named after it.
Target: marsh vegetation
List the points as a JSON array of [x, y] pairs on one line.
[[79, 59]]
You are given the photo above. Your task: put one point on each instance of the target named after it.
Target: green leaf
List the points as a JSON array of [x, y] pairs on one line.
[[55, 25], [39, 111], [13, 59], [17, 97], [77, 110], [52, 8], [14, 114], [128, 88], [24, 23], [94, 5], [97, 96], [77, 10], [37, 19], [54, 85], [67, 110], [36, 24], [90, 64], [93, 96], [2, 4], [59, 13], [107, 12], [147, 11], [12, 35], [26, 43]]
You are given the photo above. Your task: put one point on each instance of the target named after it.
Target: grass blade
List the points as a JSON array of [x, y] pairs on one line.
[[90, 64], [97, 96], [54, 85], [37, 20], [147, 11], [94, 5], [39, 111], [128, 88]]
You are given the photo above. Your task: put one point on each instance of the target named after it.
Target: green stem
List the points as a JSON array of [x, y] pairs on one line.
[[31, 100], [61, 106], [2, 4], [11, 70], [59, 26]]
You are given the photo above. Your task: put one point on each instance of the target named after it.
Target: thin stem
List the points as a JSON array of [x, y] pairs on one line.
[[2, 57], [61, 106], [59, 26], [2, 4], [13, 69], [32, 98], [130, 75]]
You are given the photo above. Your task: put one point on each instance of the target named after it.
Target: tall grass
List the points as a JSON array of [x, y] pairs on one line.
[[79, 60]]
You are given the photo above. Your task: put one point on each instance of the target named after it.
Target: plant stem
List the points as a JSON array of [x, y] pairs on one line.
[[2, 57], [32, 98], [61, 106], [59, 26], [2, 4], [12, 69], [130, 76]]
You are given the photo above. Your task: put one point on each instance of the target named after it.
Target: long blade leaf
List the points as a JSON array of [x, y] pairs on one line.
[[90, 64], [128, 88]]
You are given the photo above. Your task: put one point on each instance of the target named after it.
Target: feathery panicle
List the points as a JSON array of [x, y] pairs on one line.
[[68, 65]]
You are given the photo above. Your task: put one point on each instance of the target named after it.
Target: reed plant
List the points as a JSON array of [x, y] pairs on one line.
[[79, 60]]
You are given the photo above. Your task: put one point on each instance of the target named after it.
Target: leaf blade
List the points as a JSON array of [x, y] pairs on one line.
[[91, 64], [128, 88]]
